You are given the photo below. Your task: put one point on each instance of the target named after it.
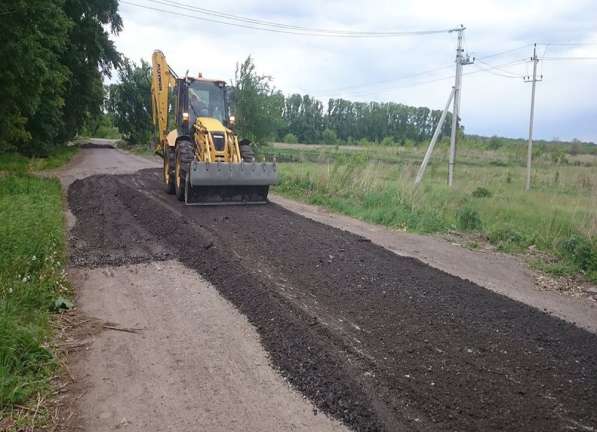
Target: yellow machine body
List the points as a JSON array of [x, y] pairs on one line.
[[204, 161]]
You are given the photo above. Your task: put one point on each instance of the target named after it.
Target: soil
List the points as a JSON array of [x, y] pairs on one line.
[[170, 354], [502, 273], [377, 340]]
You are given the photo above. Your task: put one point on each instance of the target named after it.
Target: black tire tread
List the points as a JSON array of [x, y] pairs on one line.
[[246, 153], [170, 154], [185, 155]]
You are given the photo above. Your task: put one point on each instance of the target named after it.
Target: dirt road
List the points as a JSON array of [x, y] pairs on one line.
[[376, 340], [171, 354]]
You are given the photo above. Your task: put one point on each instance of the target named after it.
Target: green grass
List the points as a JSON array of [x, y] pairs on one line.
[[16, 163], [32, 276], [141, 150], [558, 217]]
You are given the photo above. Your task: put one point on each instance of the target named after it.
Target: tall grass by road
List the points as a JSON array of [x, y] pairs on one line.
[[558, 217], [32, 276]]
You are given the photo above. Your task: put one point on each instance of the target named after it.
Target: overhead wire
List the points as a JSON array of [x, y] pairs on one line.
[[218, 17], [503, 52], [233, 17], [495, 70], [419, 83], [249, 23], [372, 84], [568, 58]]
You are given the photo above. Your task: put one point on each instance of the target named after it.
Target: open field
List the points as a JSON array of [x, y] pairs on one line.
[[557, 218]]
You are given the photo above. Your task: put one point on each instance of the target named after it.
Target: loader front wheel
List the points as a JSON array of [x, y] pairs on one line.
[[169, 170], [184, 157], [246, 152]]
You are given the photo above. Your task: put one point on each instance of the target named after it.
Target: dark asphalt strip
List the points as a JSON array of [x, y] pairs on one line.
[[380, 341]]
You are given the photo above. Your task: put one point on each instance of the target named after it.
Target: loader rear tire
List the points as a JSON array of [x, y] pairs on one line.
[[169, 170], [184, 157], [246, 152]]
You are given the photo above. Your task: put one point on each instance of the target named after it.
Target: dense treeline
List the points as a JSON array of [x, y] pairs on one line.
[[304, 117], [264, 114], [55, 54]]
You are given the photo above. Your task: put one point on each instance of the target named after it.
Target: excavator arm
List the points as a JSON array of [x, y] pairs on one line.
[[162, 79]]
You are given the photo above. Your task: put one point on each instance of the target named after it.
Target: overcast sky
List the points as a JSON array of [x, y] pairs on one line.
[[382, 69]]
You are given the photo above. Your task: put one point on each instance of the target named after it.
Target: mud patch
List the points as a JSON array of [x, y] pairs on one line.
[[382, 342], [93, 145]]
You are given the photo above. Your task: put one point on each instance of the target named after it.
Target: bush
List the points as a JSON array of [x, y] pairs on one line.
[[329, 136], [481, 192], [580, 251], [506, 237], [468, 219], [290, 138], [388, 141], [494, 143]]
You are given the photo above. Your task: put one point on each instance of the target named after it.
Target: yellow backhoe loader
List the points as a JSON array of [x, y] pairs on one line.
[[204, 161]]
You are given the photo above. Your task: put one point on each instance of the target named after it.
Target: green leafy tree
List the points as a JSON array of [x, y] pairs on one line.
[[290, 138], [32, 82], [129, 102], [329, 137], [257, 105], [90, 56], [55, 54]]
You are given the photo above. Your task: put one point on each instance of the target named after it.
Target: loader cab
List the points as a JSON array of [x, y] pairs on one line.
[[197, 97]]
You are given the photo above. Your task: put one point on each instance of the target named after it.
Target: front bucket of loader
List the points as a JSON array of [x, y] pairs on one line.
[[216, 183]]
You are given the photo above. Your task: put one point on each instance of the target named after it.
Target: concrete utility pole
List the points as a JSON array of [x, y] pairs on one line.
[[534, 80], [461, 60]]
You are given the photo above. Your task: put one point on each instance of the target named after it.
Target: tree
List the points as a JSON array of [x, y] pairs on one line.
[[55, 54], [129, 102], [257, 105], [329, 137], [90, 56], [34, 34]]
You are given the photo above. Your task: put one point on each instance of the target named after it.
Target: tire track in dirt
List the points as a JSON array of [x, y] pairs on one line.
[[382, 342]]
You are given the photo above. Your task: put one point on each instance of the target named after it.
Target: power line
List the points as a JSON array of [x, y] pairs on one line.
[[503, 52], [494, 70], [415, 84], [372, 84], [280, 28], [568, 58], [418, 83], [569, 44], [366, 93], [256, 21], [426, 72]]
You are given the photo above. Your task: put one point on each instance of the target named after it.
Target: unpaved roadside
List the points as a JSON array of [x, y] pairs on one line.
[[172, 354], [184, 359]]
